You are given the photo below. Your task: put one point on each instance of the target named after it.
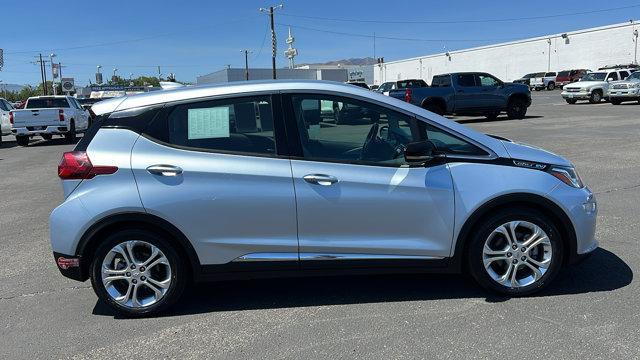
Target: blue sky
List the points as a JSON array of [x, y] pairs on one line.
[[191, 38]]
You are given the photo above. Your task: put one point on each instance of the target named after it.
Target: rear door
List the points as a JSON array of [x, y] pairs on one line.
[[356, 197], [468, 92], [215, 170]]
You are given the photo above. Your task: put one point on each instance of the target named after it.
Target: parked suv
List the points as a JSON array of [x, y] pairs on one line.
[[252, 179], [625, 90], [568, 76], [593, 86]]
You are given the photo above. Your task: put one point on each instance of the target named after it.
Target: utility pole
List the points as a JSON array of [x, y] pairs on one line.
[[635, 53], [159, 73], [549, 62], [246, 62], [43, 73], [274, 46]]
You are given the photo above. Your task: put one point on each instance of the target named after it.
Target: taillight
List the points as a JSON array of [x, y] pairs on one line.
[[407, 95], [11, 117], [61, 114], [76, 165]]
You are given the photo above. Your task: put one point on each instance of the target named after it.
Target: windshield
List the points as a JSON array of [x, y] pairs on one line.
[[47, 103], [528, 76], [597, 76], [635, 76], [385, 87]]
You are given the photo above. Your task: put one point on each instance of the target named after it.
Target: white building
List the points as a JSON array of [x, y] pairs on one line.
[[582, 49]]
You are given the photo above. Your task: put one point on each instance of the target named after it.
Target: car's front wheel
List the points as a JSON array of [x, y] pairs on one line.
[[515, 252], [516, 109], [137, 273], [596, 97], [571, 101]]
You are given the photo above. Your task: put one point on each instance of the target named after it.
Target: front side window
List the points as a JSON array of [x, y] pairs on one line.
[[624, 75], [612, 76], [486, 80], [348, 130], [243, 125]]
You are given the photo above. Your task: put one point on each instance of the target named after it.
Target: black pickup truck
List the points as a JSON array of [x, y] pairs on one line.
[[469, 93]]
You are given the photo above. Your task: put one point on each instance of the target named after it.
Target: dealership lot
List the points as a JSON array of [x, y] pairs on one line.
[[592, 309]]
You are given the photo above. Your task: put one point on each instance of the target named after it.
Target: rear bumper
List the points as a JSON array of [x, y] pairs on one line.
[[71, 266], [37, 130]]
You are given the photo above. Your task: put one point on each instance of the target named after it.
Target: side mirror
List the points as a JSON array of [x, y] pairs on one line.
[[609, 79], [419, 153]]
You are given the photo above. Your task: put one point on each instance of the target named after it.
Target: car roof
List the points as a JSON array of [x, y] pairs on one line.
[[232, 88]]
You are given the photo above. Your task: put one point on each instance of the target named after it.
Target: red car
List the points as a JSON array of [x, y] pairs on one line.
[[568, 76]]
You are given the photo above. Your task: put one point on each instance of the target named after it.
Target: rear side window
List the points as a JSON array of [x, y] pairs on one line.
[[242, 125], [441, 81], [41, 103]]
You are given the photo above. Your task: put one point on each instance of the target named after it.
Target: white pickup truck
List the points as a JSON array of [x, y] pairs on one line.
[[5, 124], [546, 81], [47, 116]]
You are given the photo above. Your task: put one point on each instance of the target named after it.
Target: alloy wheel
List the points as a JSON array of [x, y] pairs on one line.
[[136, 274], [517, 254]]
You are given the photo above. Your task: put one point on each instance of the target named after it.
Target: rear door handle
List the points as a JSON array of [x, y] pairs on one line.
[[320, 179], [164, 170]]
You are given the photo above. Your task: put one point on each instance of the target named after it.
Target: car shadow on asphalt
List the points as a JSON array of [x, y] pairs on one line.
[[498, 119], [602, 271]]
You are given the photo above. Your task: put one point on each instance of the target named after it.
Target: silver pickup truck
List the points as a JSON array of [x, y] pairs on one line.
[[47, 116]]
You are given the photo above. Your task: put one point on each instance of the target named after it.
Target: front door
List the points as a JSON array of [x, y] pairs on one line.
[[213, 169], [356, 197]]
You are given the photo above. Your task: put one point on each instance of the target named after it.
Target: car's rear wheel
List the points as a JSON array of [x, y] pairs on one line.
[[516, 109], [596, 97], [492, 115], [517, 251], [571, 101], [551, 86], [22, 140], [435, 108], [138, 273], [47, 136]]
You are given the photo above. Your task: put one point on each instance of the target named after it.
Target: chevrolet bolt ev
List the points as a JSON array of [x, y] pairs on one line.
[[260, 179]]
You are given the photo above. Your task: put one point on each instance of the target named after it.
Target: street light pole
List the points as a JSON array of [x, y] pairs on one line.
[[274, 46], [53, 75]]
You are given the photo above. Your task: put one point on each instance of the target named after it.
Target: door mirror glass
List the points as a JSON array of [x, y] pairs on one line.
[[419, 153]]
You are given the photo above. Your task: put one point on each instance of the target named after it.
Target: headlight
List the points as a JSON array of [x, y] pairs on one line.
[[568, 175], [634, 85]]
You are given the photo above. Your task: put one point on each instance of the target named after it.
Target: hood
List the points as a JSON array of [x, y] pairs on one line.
[[586, 84], [531, 153]]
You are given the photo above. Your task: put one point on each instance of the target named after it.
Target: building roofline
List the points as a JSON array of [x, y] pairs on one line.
[[522, 41]]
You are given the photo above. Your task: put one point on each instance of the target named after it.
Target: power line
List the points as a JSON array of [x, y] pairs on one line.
[[459, 21], [390, 37]]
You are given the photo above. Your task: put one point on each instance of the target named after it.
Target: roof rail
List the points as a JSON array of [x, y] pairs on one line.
[[619, 66]]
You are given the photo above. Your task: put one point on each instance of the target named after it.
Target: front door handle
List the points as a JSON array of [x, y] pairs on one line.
[[320, 179], [164, 170]]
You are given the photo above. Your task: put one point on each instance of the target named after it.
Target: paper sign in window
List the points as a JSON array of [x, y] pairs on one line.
[[208, 123]]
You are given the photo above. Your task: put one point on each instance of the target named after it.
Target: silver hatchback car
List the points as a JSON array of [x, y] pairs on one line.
[[285, 178]]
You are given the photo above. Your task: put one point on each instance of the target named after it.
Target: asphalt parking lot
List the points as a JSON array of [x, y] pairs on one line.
[[591, 311]]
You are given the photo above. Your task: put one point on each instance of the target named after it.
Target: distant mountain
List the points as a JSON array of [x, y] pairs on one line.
[[352, 61], [11, 87]]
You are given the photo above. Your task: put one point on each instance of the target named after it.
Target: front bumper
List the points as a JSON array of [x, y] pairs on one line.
[[582, 209], [37, 130], [576, 95], [631, 94]]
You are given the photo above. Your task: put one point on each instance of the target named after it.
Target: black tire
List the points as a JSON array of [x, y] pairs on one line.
[[179, 272], [615, 101], [434, 108], [70, 136], [22, 140], [516, 108], [492, 115], [47, 136], [571, 101], [596, 97], [474, 255], [551, 86]]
